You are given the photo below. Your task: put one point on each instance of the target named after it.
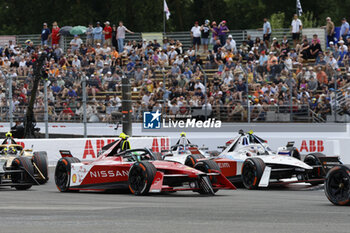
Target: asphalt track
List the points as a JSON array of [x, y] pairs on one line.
[[295, 209]]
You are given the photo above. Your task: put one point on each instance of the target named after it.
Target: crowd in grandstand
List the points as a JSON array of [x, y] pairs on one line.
[[167, 76]]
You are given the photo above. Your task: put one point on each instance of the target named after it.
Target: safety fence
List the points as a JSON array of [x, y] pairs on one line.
[[185, 37]]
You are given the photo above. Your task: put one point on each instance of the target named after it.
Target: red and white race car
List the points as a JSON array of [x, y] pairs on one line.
[[137, 170]]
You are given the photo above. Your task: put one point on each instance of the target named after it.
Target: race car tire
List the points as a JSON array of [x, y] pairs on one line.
[[63, 172], [208, 166], [40, 160], [22, 163], [312, 159], [337, 185], [191, 160], [252, 171], [295, 153], [141, 175]]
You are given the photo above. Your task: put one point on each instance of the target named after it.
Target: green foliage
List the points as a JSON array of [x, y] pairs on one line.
[[26, 17], [308, 20], [277, 20]]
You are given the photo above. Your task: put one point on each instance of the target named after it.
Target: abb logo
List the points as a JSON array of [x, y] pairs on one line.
[[89, 150], [313, 146], [164, 144]]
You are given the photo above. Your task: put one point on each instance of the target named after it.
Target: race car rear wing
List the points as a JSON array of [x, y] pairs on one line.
[[66, 153]]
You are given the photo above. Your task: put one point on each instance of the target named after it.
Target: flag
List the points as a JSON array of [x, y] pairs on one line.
[[166, 10], [299, 9]]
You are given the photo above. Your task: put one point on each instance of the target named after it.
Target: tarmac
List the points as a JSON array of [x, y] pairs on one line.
[[298, 208]]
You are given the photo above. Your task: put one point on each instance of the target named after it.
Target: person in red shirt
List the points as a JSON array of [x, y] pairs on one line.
[[55, 34], [107, 31]]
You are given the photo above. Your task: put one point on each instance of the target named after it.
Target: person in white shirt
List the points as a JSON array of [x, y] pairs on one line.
[[75, 43], [232, 43], [297, 26], [196, 35], [76, 62]]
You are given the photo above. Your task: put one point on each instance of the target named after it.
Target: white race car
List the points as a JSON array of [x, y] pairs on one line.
[[249, 160], [184, 152]]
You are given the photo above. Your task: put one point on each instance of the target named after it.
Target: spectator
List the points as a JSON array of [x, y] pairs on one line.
[[121, 36], [45, 34], [97, 32], [215, 33], [196, 36], [344, 29], [90, 35], [55, 34], [75, 43], [329, 30], [107, 31], [297, 26], [267, 32], [205, 30], [223, 29]]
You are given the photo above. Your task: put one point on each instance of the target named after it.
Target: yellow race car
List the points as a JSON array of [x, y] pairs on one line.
[[21, 168]]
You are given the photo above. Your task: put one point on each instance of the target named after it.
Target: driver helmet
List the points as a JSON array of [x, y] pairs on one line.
[[8, 134], [183, 134], [123, 136]]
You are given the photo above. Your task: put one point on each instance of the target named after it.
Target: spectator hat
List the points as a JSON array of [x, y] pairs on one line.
[[98, 44], [331, 42], [75, 35], [213, 23], [220, 93], [274, 38], [98, 22], [45, 24], [28, 41], [251, 52], [207, 21], [224, 21], [229, 36], [107, 22], [341, 42]]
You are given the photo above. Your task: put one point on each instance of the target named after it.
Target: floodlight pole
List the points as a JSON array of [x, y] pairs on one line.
[[83, 83], [126, 104], [205, 93]]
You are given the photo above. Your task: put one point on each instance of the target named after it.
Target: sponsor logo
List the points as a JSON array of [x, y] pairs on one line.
[[224, 165], [109, 173], [192, 123], [312, 147], [74, 178], [152, 120]]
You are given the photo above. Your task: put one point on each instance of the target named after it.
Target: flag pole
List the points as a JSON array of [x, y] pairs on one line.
[[164, 18]]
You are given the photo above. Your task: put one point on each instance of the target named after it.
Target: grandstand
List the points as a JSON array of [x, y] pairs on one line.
[[269, 96]]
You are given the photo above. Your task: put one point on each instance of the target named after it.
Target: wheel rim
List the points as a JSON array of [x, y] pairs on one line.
[[339, 186], [137, 179], [61, 176], [249, 173]]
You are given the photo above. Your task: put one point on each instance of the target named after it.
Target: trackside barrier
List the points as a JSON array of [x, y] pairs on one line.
[[88, 148]]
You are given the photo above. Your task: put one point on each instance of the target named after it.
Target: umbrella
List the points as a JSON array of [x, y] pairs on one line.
[[64, 31], [77, 30]]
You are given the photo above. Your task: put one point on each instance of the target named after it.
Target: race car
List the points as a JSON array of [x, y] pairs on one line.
[[36, 162], [138, 171], [182, 150], [337, 185], [249, 160]]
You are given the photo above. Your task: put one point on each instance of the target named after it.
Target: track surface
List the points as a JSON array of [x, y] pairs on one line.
[[297, 209]]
